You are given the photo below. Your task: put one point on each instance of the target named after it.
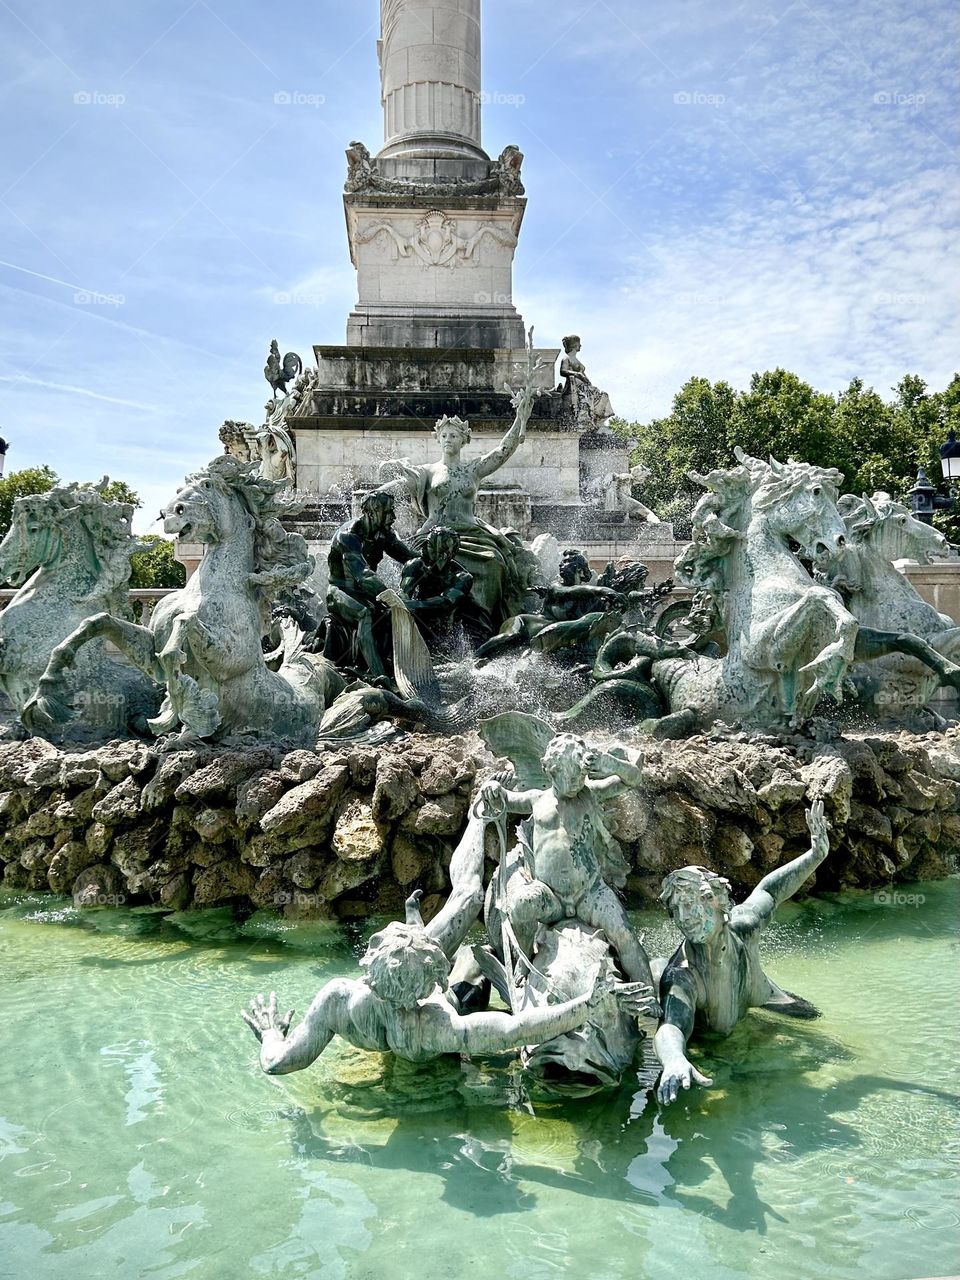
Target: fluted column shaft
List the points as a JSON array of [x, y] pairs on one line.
[[430, 70]]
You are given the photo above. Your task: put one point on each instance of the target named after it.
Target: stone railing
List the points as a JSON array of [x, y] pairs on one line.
[[143, 600]]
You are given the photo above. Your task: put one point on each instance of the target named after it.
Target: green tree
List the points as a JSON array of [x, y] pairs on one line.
[[783, 415], [19, 484], [118, 491], [876, 444], [155, 565], [693, 438]]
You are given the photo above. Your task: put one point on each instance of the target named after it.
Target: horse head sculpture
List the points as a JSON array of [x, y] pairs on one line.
[[69, 552], [891, 529], [230, 505], [74, 531], [798, 503]]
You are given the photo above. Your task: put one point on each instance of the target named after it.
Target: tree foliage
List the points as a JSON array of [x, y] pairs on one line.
[[20, 484], [155, 565], [876, 443]]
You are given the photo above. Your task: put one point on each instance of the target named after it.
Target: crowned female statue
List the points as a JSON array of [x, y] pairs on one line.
[[444, 493]]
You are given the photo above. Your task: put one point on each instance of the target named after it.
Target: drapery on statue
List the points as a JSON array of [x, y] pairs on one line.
[[445, 493], [405, 1003], [68, 553], [204, 642], [715, 974], [271, 446], [278, 454], [585, 405]]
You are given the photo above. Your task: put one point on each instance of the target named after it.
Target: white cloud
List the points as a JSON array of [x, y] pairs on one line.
[[799, 222], [854, 288]]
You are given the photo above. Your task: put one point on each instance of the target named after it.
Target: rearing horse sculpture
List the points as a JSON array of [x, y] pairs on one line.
[[791, 640], [204, 643], [885, 603], [68, 551]]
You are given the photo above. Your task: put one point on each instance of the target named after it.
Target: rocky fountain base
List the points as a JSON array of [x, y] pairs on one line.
[[349, 832]]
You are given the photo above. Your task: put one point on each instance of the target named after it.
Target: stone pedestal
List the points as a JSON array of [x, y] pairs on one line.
[[189, 554], [434, 269], [602, 454], [939, 584], [370, 405]]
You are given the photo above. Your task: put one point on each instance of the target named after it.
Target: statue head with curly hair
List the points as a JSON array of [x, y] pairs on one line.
[[379, 508], [404, 965], [574, 568], [698, 900], [440, 546], [566, 763]]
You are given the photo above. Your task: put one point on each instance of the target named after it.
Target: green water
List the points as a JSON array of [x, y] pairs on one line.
[[139, 1138]]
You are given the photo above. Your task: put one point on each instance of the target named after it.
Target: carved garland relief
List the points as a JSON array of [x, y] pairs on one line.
[[436, 243]]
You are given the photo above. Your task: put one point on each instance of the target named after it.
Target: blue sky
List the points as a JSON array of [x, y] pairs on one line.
[[713, 188]]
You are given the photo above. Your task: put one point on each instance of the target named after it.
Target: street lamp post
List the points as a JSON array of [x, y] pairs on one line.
[[3, 454], [924, 499], [950, 462]]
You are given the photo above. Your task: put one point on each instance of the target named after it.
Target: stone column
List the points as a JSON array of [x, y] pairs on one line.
[[430, 79]]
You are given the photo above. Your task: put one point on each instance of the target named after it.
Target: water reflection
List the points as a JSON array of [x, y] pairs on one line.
[[143, 1140], [767, 1107]]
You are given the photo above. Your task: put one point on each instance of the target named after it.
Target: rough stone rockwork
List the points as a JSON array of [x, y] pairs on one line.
[[351, 831]]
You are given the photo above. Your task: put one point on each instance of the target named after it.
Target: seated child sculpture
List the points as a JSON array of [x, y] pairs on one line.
[[715, 975], [564, 863]]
